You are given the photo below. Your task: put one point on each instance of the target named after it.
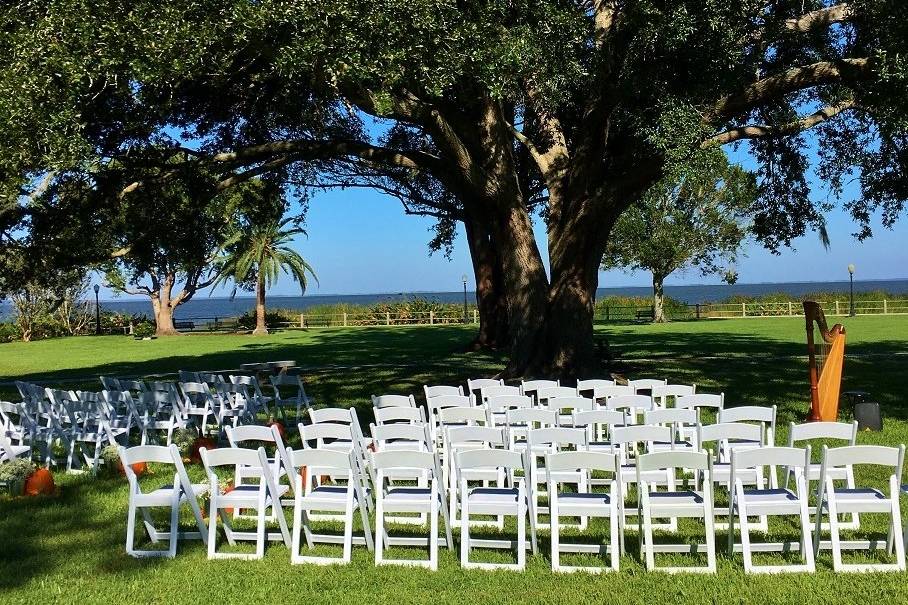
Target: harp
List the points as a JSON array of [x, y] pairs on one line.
[[826, 355]]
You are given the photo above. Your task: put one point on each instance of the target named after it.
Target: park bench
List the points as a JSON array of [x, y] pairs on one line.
[[647, 314], [184, 325]]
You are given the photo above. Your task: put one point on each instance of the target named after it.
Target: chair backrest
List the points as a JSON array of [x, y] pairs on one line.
[[544, 394], [625, 435], [187, 376], [790, 457], [110, 384], [748, 413], [320, 461], [404, 459], [475, 384], [604, 392], [325, 430], [673, 459], [159, 454], [489, 459], [855, 455], [501, 403], [402, 436], [459, 415], [498, 390], [701, 400], [582, 461], [531, 387], [729, 431], [233, 456], [585, 388], [608, 418], [396, 415], [571, 404], [133, 385], [557, 437], [645, 384], [843, 431], [441, 402], [677, 416], [633, 403], [530, 417], [490, 436], [435, 391], [662, 393], [386, 401], [331, 415], [252, 432]]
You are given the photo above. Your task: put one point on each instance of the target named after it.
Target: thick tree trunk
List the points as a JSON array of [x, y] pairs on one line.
[[490, 299], [658, 299], [163, 316], [261, 327]]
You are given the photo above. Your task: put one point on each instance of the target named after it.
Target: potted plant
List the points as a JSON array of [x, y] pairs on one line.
[[14, 473]]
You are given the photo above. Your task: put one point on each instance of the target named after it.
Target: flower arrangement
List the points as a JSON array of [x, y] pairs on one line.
[[14, 474]]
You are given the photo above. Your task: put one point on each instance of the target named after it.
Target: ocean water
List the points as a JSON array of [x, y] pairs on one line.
[[205, 307]]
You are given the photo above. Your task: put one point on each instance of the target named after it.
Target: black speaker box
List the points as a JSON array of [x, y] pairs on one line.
[[867, 413]]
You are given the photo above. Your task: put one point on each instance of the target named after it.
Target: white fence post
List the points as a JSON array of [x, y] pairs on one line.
[[790, 309], [345, 319], [743, 309], [387, 319], [302, 320], [885, 307], [475, 314], [837, 307], [431, 318]]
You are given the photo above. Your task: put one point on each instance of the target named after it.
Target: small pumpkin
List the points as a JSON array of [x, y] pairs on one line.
[[281, 429], [40, 483], [206, 442], [230, 487], [139, 468]]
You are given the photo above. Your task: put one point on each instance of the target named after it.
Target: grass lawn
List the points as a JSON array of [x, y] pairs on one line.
[[70, 548]]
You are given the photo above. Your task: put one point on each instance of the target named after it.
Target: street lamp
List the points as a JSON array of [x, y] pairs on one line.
[[851, 278], [97, 311], [464, 278]]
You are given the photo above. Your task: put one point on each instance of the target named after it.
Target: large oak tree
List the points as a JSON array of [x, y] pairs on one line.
[[595, 100]]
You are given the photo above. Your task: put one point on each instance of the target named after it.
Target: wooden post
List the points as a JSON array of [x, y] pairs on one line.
[[387, 319], [837, 307], [431, 318], [302, 320], [790, 313], [743, 309], [475, 316], [885, 307], [606, 312], [698, 310], [345, 319]]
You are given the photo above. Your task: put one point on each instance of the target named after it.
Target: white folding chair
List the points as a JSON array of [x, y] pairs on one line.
[[565, 406], [260, 497], [173, 496], [279, 464], [598, 425], [397, 415], [345, 499], [675, 504], [531, 387], [626, 441], [716, 440], [683, 422], [834, 501], [499, 390], [633, 405], [475, 384], [200, 403], [435, 391], [764, 415], [540, 443], [8, 451], [603, 392], [763, 501], [587, 388], [584, 504], [702, 401], [427, 500], [544, 394], [296, 397], [495, 501], [441, 402], [463, 438], [498, 405], [830, 432], [520, 420]]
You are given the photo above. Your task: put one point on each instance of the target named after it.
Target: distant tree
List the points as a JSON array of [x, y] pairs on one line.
[[254, 257], [697, 221]]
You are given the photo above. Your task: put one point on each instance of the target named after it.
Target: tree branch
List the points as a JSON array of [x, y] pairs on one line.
[[820, 18], [756, 131], [794, 79]]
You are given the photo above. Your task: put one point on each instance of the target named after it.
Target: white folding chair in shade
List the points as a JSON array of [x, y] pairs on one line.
[[260, 497], [633, 405], [546, 393], [331, 415], [702, 401], [683, 423], [674, 504], [498, 405], [495, 501], [395, 415], [181, 491], [603, 392], [289, 391], [345, 499], [834, 501], [645, 384], [566, 406], [499, 390], [584, 504], [520, 420], [764, 415], [475, 384], [429, 500], [661, 394], [840, 433], [463, 438], [763, 501], [387, 401], [715, 439], [8, 451]]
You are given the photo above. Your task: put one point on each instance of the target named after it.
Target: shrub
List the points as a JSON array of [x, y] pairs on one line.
[[9, 332], [273, 319], [143, 329], [14, 473]]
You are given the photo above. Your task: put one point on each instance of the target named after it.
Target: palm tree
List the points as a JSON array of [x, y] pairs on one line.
[[256, 254]]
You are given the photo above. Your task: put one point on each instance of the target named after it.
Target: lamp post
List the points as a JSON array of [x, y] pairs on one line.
[[851, 279], [464, 278], [97, 311]]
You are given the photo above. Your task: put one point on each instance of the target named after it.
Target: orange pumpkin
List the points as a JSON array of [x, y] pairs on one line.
[[139, 468], [282, 431], [40, 483], [206, 442], [227, 490]]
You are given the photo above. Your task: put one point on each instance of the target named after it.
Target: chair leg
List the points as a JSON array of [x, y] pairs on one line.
[[212, 526], [379, 529], [348, 530], [433, 527], [710, 523], [174, 524], [897, 530], [834, 533], [297, 529], [131, 528], [807, 552], [646, 538], [554, 531], [745, 538], [521, 533], [464, 526]]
